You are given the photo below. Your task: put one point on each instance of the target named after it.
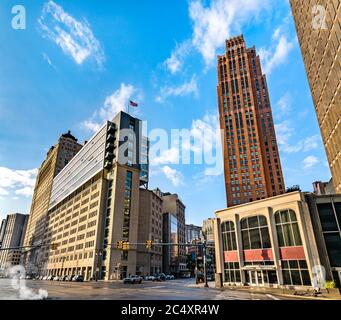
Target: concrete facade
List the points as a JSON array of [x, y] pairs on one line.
[[149, 261], [94, 203], [318, 25], [271, 242], [57, 158]]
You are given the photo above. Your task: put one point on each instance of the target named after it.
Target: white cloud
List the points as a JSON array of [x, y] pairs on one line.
[[284, 133], [75, 38], [173, 175], [175, 62], [284, 104], [212, 25], [114, 103], [278, 51], [21, 182], [184, 89], [26, 192], [310, 162], [170, 156]]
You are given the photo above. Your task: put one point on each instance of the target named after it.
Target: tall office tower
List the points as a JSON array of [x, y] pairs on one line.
[[318, 25], [173, 210], [149, 260], [94, 204], [57, 158], [252, 166], [13, 231], [2, 230]]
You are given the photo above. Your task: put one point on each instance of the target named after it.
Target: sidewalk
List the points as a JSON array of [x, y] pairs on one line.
[[332, 295]]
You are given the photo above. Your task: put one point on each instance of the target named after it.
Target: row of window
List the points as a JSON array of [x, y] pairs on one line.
[[255, 231]]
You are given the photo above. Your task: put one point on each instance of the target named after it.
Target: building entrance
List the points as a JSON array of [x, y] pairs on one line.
[[260, 277]]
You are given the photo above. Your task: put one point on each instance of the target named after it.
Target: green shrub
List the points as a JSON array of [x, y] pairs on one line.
[[330, 284]]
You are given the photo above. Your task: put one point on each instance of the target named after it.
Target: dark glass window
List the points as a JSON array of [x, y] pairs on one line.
[[333, 244], [327, 217], [232, 272], [295, 272], [338, 211]]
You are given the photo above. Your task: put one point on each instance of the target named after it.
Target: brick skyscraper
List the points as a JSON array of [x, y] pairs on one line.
[[318, 26], [251, 159]]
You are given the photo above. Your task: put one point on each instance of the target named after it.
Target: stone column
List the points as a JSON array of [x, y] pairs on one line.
[[239, 242], [274, 244]]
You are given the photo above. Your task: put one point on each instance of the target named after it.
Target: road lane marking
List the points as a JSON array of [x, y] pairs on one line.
[[272, 297]]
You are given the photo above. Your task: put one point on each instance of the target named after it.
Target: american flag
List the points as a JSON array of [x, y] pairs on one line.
[[133, 104]]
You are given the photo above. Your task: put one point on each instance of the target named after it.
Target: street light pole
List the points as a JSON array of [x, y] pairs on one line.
[[205, 267]]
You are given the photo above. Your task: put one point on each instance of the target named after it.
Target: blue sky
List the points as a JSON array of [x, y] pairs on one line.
[[78, 62]]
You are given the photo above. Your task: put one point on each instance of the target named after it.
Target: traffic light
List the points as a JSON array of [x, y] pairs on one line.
[[149, 244], [54, 246], [119, 245], [125, 246]]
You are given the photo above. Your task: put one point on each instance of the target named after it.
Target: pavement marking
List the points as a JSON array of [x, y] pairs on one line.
[[253, 297], [272, 297], [156, 287]]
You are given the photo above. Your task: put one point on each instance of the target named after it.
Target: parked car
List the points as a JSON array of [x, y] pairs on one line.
[[150, 278], [63, 278], [69, 278], [50, 278], [78, 278], [132, 280], [210, 277], [44, 277], [56, 278]]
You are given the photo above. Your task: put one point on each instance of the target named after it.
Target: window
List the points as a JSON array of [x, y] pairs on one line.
[[333, 244], [288, 232], [255, 233], [231, 272], [327, 217], [295, 272], [229, 236], [127, 204]]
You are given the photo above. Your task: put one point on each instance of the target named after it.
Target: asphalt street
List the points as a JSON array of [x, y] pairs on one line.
[[168, 290]]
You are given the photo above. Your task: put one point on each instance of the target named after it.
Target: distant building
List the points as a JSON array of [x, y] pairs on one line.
[[57, 158], [173, 205], [13, 231], [149, 261], [193, 233], [279, 241], [171, 256], [207, 230], [2, 230], [321, 188]]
